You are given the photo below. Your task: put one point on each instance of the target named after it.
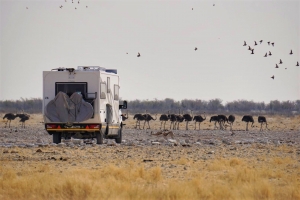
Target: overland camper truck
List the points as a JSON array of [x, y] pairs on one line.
[[82, 103]]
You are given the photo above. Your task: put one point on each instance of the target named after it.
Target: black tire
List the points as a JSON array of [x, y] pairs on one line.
[[56, 138], [99, 137], [119, 139]]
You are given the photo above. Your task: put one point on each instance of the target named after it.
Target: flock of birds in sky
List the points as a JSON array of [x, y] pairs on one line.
[[61, 6], [268, 53], [245, 44]]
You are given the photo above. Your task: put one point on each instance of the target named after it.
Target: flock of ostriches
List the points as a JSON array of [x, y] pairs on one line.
[[269, 53], [175, 120], [10, 116]]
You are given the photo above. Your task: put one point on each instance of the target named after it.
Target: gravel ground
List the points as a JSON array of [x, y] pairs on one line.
[[35, 135]]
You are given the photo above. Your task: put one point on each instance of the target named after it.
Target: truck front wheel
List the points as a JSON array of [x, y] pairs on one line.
[[56, 138], [99, 136], [119, 139]]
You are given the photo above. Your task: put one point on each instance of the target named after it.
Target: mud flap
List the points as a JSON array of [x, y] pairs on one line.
[[112, 129]]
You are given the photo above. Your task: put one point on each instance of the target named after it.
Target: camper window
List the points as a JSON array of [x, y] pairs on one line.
[[108, 85], [116, 94], [70, 88], [102, 91]]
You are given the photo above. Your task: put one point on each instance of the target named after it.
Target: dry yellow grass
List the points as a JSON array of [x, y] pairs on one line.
[[84, 176]]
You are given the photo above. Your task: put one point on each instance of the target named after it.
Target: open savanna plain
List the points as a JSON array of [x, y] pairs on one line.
[[200, 164]]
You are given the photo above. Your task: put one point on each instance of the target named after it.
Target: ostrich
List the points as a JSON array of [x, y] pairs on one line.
[[247, 119], [179, 119], [222, 119], [124, 116], [199, 119], [214, 119], [23, 117], [139, 118], [9, 117], [164, 118], [148, 118], [173, 119], [261, 120], [187, 118], [231, 119]]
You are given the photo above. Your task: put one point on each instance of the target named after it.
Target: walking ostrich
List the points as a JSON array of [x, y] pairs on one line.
[[179, 119], [222, 119], [164, 118], [9, 117], [173, 119], [214, 119], [188, 118], [23, 117], [199, 119], [262, 120], [139, 118], [247, 119], [231, 119], [148, 118]]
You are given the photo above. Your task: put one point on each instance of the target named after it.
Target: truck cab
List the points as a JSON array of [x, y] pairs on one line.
[[83, 103]]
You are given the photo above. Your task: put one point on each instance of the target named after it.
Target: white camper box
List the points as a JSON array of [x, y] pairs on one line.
[[82, 103]]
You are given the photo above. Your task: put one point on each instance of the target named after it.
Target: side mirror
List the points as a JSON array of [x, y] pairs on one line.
[[124, 106]]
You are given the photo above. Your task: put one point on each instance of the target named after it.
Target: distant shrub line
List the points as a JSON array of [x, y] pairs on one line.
[[34, 105]]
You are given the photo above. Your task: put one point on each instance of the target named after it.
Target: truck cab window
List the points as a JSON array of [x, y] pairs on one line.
[[102, 91]]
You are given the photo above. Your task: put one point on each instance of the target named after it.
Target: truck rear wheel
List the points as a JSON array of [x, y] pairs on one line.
[[99, 137], [119, 139], [56, 138]]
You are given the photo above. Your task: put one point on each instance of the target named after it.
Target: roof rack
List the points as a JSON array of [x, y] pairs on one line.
[[90, 68]]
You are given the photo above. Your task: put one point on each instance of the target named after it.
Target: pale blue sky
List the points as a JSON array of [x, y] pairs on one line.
[[44, 37]]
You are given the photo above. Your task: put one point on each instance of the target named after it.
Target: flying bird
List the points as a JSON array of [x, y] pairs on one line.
[[297, 64], [252, 51], [255, 43], [249, 48], [61, 6], [266, 55], [272, 44], [196, 48], [126, 52], [268, 43], [138, 54], [245, 43], [26, 7], [213, 4], [291, 52], [280, 62], [270, 53], [192, 8], [273, 77], [261, 41], [276, 66]]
